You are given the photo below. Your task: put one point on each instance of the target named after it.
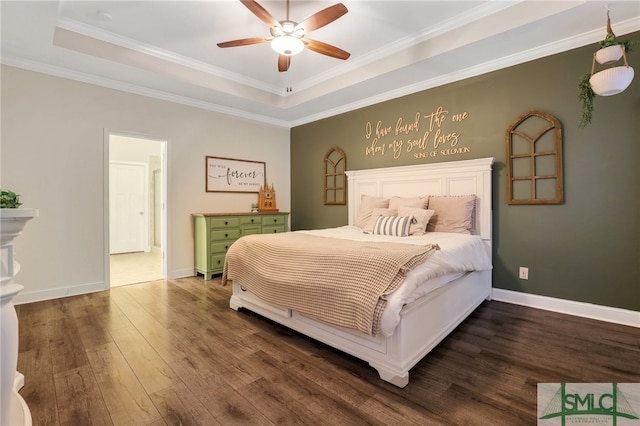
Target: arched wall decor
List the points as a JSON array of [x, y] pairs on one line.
[[534, 160], [335, 180]]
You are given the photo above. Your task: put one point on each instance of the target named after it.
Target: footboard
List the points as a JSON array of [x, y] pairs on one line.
[[424, 323]]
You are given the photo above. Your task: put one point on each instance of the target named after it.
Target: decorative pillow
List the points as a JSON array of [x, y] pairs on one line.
[[452, 213], [367, 204], [397, 226], [416, 202], [374, 217], [419, 227]]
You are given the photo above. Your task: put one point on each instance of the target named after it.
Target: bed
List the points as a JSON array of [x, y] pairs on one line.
[[419, 321]]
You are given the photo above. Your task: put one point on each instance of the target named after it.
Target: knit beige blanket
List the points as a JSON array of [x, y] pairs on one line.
[[340, 282]]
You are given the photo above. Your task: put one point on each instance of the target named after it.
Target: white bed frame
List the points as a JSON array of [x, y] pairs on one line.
[[425, 322]]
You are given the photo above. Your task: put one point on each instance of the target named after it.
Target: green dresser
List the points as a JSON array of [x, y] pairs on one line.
[[215, 232]]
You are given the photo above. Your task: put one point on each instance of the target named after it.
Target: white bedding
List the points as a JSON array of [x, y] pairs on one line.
[[458, 254]]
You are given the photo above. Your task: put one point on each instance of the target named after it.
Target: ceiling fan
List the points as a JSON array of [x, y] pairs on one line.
[[288, 37]]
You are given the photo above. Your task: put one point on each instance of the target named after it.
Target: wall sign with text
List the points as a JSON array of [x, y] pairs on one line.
[[231, 175], [425, 135]]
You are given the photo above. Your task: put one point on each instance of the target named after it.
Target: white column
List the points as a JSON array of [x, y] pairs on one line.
[[13, 409]]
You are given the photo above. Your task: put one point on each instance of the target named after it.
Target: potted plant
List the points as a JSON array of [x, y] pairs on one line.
[[609, 81], [612, 49], [12, 218], [9, 200]]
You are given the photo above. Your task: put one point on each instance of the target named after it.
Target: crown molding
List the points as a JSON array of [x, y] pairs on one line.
[[501, 63], [149, 50], [581, 40], [138, 90]]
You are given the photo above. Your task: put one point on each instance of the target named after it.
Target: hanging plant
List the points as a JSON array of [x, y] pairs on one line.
[[609, 81], [586, 97], [612, 40], [9, 200]]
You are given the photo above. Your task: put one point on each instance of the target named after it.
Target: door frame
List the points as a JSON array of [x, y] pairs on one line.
[[164, 148]]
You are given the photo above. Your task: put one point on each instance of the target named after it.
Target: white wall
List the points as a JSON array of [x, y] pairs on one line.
[[53, 154]]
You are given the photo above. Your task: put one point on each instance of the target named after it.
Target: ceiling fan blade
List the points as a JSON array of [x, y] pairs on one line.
[[243, 42], [260, 12], [322, 18], [283, 62], [325, 49]]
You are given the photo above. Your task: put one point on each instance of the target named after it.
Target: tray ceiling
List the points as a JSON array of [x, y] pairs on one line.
[[167, 49]]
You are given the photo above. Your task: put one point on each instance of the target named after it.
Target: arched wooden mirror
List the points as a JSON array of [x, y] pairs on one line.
[[534, 160], [335, 180]]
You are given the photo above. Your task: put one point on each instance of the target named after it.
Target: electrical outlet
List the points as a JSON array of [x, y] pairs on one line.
[[524, 273]]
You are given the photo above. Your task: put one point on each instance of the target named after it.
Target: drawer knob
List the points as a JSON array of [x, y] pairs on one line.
[[226, 247], [226, 235], [219, 262], [226, 223], [252, 220], [275, 220]]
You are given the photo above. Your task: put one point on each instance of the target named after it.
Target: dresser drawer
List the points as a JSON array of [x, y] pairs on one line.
[[217, 262], [221, 246], [225, 234], [273, 220], [250, 220], [225, 222], [251, 230], [273, 229]]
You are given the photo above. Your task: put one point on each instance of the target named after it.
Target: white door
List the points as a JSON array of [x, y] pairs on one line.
[[129, 223]]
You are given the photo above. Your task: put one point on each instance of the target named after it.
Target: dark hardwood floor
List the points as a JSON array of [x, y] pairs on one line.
[[173, 352]]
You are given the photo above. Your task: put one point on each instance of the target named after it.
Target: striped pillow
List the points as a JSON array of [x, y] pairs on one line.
[[397, 226]]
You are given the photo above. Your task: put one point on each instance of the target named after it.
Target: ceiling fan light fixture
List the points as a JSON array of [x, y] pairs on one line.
[[287, 45], [288, 26]]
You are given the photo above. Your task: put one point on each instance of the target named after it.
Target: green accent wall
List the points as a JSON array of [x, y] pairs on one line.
[[586, 249]]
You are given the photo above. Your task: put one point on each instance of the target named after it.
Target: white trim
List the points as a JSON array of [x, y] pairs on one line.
[[164, 220], [164, 156], [573, 42], [32, 65], [181, 273], [158, 53], [56, 293], [570, 307]]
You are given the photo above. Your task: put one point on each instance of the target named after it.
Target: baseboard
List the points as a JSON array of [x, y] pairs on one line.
[[570, 307], [181, 273], [55, 293]]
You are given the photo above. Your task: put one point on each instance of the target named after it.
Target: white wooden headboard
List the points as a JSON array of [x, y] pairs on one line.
[[452, 178]]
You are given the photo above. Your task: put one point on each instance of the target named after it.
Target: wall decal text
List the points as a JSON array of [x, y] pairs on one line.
[[423, 135]]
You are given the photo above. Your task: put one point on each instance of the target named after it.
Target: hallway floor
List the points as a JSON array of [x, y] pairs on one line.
[[132, 268]]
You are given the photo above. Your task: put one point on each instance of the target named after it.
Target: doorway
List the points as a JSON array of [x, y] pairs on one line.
[[137, 214]]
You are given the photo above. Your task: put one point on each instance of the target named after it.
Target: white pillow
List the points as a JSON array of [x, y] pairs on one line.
[[367, 204], [397, 226], [422, 216], [415, 202], [374, 217]]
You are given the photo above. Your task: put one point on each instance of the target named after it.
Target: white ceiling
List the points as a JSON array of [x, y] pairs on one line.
[[167, 49]]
